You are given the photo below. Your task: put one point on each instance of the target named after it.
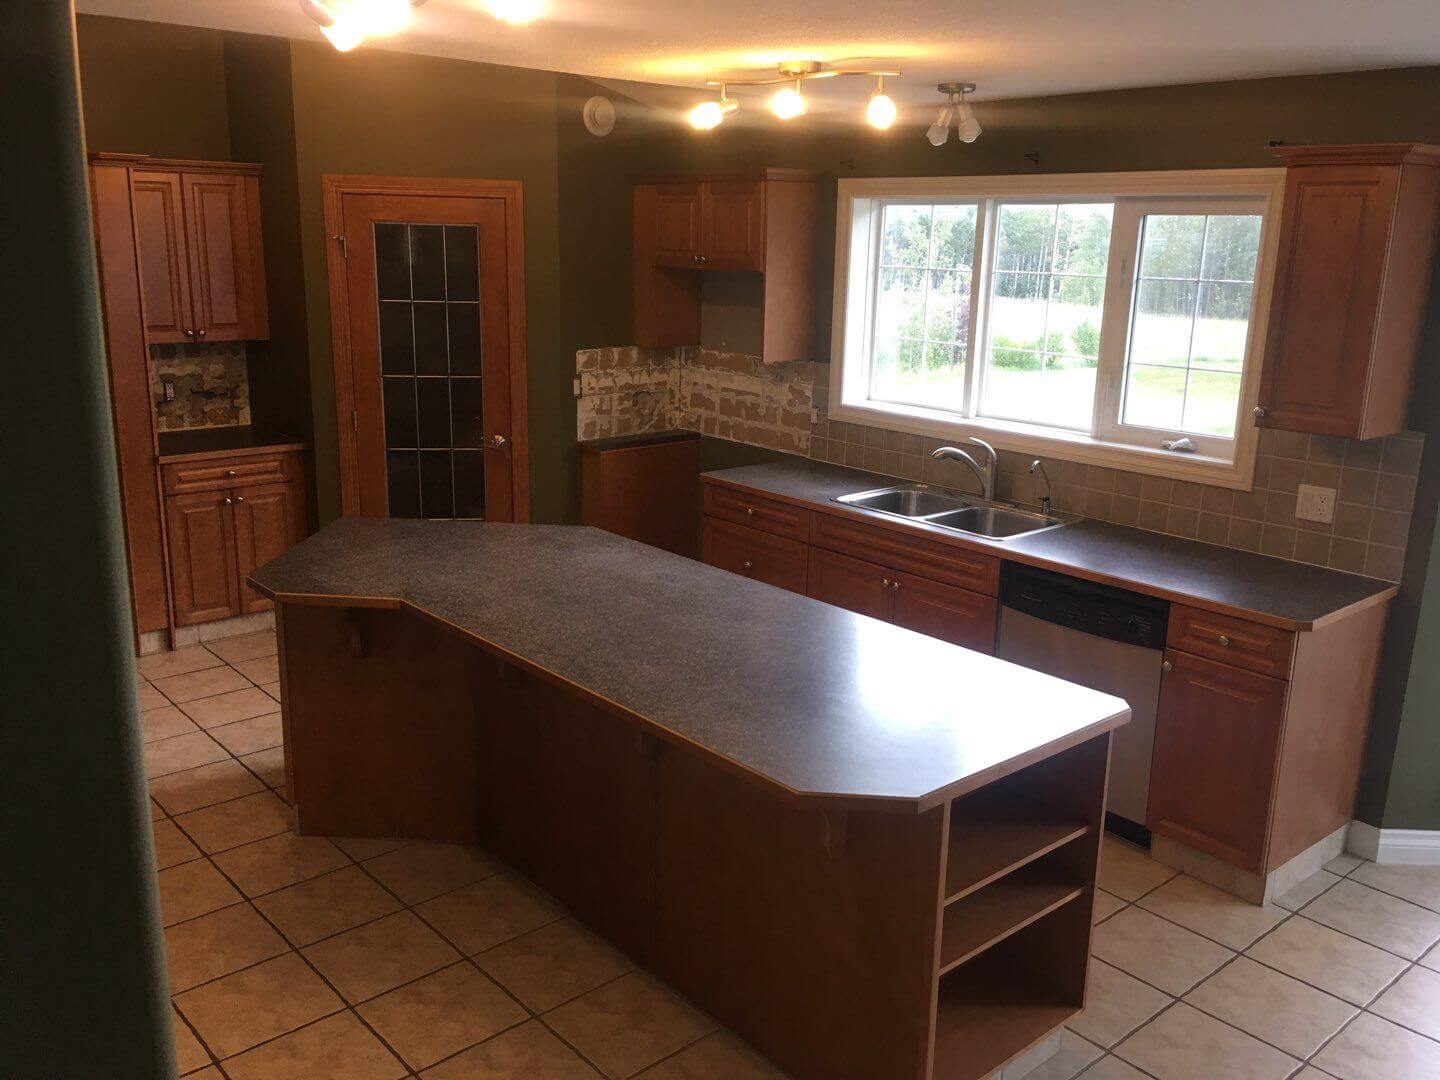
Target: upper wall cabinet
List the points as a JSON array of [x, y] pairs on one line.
[[1356, 242], [202, 267], [758, 223]]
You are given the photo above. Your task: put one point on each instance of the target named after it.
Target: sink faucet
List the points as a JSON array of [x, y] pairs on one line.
[[987, 477], [1044, 502]]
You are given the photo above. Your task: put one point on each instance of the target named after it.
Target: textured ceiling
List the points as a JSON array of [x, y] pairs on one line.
[[1011, 48]]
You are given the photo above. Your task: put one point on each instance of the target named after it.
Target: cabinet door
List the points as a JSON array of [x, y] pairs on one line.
[[958, 616], [266, 524], [202, 556], [853, 584], [160, 249], [754, 554], [1217, 736], [677, 225], [1331, 268], [226, 263], [733, 225]]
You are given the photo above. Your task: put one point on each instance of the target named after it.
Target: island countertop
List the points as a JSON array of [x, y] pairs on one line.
[[816, 700]]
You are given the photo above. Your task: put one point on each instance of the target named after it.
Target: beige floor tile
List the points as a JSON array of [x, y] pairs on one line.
[[1413, 1002], [245, 647], [1327, 959], [201, 684], [362, 848], [273, 689], [218, 944], [193, 889], [549, 966], [268, 765], [1127, 871], [172, 847], [629, 1024], [239, 821], [723, 1055], [1276, 1008], [326, 905], [1069, 1061], [1160, 953], [181, 792], [336, 1048], [1307, 890], [249, 736], [180, 662], [156, 812], [441, 1014], [527, 1052], [208, 1073], [1372, 1048], [1116, 1004], [483, 915], [1432, 959], [278, 861], [180, 753], [380, 956], [164, 723], [229, 708], [247, 1008], [1393, 924], [418, 872], [1343, 863], [1206, 910], [1418, 884], [262, 670], [1112, 1068], [1309, 1072], [189, 1054], [1184, 1044], [147, 697], [1106, 904]]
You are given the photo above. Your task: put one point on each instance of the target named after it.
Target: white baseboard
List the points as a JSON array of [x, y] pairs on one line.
[[1419, 847]]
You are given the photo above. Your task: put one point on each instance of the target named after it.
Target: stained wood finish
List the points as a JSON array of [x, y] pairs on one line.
[[1217, 742], [647, 492], [163, 255], [676, 210], [733, 224], [665, 299], [857, 586], [227, 472], [958, 616], [227, 264], [1231, 641], [755, 554], [202, 557], [757, 512], [792, 215], [915, 554], [266, 526]]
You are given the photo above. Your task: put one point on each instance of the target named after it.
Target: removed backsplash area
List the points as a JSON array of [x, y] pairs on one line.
[[212, 385], [632, 390]]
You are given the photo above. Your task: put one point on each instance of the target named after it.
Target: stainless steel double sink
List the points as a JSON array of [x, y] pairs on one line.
[[958, 513]]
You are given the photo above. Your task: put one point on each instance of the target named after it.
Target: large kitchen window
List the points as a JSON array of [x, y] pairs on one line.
[[1112, 319]]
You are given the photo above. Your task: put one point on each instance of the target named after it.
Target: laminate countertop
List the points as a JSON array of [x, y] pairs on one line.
[[809, 697], [188, 444], [1278, 592]]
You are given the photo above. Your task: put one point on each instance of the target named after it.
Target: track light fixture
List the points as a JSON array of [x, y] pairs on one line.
[[881, 111], [955, 111], [348, 23], [788, 102], [711, 114]]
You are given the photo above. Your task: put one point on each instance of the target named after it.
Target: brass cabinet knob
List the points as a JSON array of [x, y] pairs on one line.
[[747, 565], [228, 501], [1167, 667], [1261, 412], [895, 585], [1225, 640], [200, 332], [701, 259], [239, 498], [749, 511], [229, 472], [884, 582], [189, 333]]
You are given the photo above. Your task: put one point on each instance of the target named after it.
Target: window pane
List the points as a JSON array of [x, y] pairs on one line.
[[1047, 297], [1190, 322], [906, 231]]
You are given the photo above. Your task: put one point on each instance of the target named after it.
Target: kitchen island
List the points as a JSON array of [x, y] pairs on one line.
[[869, 852]]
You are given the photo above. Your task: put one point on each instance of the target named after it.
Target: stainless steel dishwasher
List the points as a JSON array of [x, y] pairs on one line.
[[1105, 638]]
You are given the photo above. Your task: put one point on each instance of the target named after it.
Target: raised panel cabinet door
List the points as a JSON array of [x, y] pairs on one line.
[[266, 525], [1319, 347], [676, 225], [161, 251], [733, 225], [226, 263], [958, 616], [202, 556], [1217, 737], [754, 554], [852, 584]]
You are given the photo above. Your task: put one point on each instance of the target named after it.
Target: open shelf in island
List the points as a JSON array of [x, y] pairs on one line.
[[996, 831]]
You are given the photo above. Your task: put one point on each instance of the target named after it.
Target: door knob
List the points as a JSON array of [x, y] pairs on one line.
[[495, 442]]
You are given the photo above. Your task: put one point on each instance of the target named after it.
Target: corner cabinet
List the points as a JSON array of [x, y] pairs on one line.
[[1357, 237], [761, 223]]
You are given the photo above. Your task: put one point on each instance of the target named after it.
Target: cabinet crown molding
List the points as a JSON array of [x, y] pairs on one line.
[[145, 161], [1359, 154]]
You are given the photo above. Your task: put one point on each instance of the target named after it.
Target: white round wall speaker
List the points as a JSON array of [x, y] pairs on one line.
[[599, 116]]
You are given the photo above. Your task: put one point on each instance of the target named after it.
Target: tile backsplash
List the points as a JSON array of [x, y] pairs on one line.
[[212, 385], [629, 390]]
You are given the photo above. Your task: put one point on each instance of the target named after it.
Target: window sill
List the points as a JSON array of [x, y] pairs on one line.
[[1054, 443]]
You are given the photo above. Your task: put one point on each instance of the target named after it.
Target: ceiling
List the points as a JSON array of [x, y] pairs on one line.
[[1010, 48]]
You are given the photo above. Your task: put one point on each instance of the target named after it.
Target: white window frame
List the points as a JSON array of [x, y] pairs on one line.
[[857, 240]]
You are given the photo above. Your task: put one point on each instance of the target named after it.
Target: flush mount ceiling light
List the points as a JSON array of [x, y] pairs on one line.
[[710, 114], [957, 111], [789, 102]]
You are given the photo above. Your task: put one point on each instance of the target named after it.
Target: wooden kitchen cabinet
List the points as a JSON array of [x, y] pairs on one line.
[[754, 554], [1352, 277], [958, 616], [266, 525], [158, 199], [676, 221], [732, 225], [853, 584], [203, 579]]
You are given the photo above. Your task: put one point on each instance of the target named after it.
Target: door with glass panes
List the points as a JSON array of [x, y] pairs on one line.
[[428, 339]]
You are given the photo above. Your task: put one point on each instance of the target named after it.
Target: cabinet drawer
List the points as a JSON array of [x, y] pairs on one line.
[[927, 558], [183, 476], [1232, 641], [758, 512], [754, 554]]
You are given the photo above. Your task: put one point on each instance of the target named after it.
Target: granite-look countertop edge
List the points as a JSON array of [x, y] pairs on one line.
[[190, 444], [1279, 592]]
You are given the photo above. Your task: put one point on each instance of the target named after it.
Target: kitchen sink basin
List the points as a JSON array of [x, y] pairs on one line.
[[970, 515], [994, 522], [906, 502]]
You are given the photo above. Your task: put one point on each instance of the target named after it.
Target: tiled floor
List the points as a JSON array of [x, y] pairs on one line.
[[362, 960]]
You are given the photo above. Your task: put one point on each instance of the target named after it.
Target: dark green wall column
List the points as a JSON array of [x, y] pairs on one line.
[[81, 963]]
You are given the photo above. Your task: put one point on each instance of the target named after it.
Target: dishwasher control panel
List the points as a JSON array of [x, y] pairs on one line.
[[1102, 610]]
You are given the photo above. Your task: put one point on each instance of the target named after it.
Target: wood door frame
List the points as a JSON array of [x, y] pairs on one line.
[[335, 187]]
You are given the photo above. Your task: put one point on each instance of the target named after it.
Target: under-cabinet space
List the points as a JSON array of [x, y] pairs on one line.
[[996, 831], [989, 915]]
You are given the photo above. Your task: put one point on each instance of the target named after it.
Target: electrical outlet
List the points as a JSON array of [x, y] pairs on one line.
[[168, 385], [1315, 504]]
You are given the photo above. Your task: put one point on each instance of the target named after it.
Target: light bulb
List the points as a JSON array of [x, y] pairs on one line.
[[967, 127], [940, 130], [379, 18], [344, 34], [880, 113], [788, 103], [710, 114], [516, 12]]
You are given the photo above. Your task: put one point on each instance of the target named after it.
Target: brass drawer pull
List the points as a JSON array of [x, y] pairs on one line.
[[747, 565], [1225, 640], [749, 511]]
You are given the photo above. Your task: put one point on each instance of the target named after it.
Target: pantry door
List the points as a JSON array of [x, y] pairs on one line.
[[427, 313]]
